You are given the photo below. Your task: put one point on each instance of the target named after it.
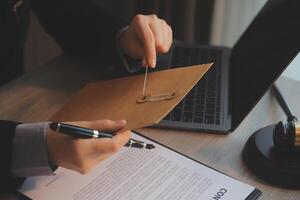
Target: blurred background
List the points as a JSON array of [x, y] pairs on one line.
[[216, 22]]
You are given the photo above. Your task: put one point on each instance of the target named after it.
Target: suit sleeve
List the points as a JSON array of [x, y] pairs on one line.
[[7, 181], [80, 27]]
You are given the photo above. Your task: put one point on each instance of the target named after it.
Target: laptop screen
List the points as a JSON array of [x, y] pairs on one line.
[[262, 53]]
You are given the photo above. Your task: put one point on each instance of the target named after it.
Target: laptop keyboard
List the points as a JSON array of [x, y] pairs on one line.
[[202, 104]]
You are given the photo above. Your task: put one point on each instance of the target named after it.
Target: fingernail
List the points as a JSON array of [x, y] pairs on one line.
[[152, 63], [121, 123]]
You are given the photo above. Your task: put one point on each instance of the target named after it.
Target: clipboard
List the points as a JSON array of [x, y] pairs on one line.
[[199, 181], [117, 99]]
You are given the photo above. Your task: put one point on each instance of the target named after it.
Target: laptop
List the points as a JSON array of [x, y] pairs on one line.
[[240, 76]]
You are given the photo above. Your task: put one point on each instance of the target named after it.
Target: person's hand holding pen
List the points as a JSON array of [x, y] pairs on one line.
[[82, 155], [146, 36]]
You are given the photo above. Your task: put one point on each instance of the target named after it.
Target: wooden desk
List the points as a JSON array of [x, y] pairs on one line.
[[37, 95]]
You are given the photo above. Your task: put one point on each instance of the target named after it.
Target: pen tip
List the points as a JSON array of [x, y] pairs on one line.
[[150, 146]]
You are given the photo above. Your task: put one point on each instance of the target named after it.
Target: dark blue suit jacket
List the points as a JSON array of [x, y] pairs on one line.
[[81, 28]]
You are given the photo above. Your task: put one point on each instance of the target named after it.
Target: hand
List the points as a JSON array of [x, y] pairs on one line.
[[82, 155], [145, 37]]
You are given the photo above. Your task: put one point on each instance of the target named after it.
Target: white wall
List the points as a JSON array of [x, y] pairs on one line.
[[231, 18], [293, 70]]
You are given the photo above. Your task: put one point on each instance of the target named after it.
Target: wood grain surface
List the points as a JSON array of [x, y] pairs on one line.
[[36, 96]]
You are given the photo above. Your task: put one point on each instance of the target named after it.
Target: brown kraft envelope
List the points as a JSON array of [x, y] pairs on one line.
[[117, 99]]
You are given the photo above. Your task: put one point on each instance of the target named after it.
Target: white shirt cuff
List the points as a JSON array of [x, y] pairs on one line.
[[29, 154]]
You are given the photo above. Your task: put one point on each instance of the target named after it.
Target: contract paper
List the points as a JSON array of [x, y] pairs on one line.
[[141, 174]]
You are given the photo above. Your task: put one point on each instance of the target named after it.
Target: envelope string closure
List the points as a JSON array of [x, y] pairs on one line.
[[150, 97], [145, 80]]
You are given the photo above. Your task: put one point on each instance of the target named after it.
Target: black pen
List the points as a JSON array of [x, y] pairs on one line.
[[86, 133]]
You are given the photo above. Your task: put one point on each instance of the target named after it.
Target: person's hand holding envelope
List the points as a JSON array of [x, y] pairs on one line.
[[146, 36]]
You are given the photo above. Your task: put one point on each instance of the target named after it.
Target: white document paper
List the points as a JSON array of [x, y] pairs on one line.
[[140, 174]]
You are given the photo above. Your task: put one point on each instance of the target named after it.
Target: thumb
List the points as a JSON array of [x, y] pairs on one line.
[[134, 49], [131, 44]]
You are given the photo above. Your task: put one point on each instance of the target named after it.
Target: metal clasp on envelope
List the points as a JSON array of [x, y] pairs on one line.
[[159, 97]]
